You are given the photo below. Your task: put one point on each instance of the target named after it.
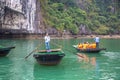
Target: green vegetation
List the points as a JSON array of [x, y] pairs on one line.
[[98, 16]]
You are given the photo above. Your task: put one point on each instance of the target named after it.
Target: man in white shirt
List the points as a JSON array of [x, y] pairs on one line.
[[47, 41]]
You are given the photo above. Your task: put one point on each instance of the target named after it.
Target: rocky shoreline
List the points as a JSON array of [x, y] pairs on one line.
[[102, 36], [36, 36]]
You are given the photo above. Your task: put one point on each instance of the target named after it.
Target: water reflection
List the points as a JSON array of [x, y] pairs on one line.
[[89, 63], [102, 66], [42, 72], [85, 58]]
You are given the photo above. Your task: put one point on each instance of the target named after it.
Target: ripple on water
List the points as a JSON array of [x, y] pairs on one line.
[[108, 76], [112, 55]]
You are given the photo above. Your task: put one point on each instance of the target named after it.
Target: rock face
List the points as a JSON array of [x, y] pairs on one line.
[[18, 15]]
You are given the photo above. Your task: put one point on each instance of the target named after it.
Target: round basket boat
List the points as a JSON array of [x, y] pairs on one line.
[[49, 58]]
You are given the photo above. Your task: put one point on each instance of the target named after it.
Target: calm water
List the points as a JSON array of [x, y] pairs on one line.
[[102, 66]]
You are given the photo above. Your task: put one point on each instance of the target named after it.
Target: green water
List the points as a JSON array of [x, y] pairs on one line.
[[102, 66]]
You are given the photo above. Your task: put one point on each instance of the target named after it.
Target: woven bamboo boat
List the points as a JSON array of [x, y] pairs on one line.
[[49, 58]]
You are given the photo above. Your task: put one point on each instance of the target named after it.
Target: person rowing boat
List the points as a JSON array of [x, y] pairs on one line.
[[97, 40], [47, 42]]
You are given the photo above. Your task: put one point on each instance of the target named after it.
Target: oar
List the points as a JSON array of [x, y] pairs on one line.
[[70, 51], [66, 49], [63, 48], [79, 55], [33, 50]]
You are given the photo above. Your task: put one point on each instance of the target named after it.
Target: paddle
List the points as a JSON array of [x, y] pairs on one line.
[[33, 50]]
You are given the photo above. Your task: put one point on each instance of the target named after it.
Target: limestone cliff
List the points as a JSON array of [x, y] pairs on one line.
[[18, 15]]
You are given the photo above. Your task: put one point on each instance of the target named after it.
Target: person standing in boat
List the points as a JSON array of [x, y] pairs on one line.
[[97, 40], [47, 42]]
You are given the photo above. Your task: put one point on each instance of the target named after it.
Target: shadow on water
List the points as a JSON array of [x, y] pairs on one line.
[[42, 72]]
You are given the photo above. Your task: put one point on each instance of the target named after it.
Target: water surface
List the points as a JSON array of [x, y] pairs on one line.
[[102, 66]]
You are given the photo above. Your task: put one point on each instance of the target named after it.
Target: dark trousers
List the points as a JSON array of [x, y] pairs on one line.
[[97, 44]]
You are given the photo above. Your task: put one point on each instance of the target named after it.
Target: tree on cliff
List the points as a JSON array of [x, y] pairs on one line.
[[98, 16]]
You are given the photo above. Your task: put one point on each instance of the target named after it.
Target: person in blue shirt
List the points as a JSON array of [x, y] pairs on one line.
[[47, 42], [97, 40]]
